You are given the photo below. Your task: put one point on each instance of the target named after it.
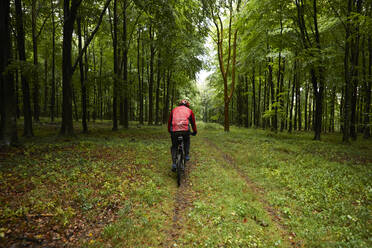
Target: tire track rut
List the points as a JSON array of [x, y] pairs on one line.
[[183, 201]]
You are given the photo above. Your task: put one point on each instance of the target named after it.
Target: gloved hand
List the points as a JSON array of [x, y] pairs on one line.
[[194, 133]]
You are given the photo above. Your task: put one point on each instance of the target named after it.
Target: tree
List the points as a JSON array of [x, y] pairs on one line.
[[70, 13], [53, 86], [35, 36], [69, 16], [8, 127], [82, 80], [116, 68], [312, 45], [215, 15], [27, 130]]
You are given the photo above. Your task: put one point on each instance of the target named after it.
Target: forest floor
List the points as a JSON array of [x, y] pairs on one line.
[[246, 188]]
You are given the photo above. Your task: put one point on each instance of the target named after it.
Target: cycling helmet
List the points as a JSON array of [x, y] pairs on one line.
[[184, 102]]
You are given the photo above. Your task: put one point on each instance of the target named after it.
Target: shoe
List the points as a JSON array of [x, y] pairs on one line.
[[174, 167], [187, 157]]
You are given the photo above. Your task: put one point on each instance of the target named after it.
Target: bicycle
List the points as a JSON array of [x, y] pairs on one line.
[[181, 160]]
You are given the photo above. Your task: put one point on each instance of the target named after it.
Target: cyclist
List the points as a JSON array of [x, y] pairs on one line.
[[179, 124]]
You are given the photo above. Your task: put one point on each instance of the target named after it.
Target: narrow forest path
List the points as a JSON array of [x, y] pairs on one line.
[[246, 188], [183, 202]]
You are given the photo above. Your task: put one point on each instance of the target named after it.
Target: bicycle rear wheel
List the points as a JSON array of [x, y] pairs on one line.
[[179, 169]]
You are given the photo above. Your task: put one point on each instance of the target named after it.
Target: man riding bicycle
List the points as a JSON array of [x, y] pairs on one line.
[[179, 125]]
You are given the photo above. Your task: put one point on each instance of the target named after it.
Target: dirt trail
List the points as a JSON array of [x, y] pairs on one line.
[[183, 201], [271, 211]]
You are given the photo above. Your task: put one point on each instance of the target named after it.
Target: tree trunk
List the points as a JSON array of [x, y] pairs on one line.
[[278, 102], [296, 106], [100, 93], [306, 103], [53, 86], [68, 28], [317, 79], [246, 105], [140, 87], [82, 80], [226, 115], [116, 67], [173, 95], [318, 92], [35, 72], [292, 99], [367, 110], [348, 87], [142, 106], [259, 97], [8, 124], [281, 98], [151, 81], [158, 78], [239, 105], [298, 102], [95, 95], [28, 132], [18, 110], [274, 122], [354, 72], [45, 83], [264, 102], [228, 93], [254, 97], [310, 115], [332, 117], [125, 67], [163, 95], [87, 100], [146, 107], [75, 104], [288, 100], [166, 101]]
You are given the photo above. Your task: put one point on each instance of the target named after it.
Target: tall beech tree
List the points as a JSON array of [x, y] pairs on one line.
[[27, 115], [214, 14], [125, 95], [53, 81], [70, 8], [82, 80], [116, 67], [8, 115], [70, 13]]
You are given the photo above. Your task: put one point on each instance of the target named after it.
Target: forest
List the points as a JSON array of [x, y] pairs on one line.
[[281, 91], [280, 65]]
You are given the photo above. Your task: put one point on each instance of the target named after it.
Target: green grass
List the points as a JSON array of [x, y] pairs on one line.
[[323, 189], [248, 188]]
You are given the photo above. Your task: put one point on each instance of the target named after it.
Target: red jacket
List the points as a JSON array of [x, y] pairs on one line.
[[180, 118]]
